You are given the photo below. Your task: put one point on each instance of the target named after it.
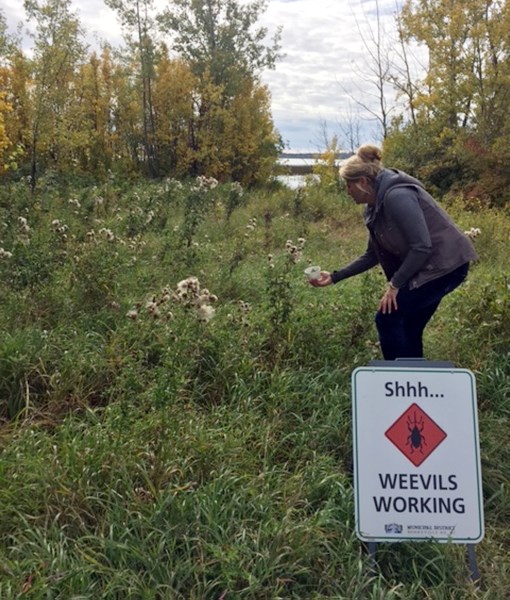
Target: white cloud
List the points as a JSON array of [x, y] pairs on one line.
[[322, 74]]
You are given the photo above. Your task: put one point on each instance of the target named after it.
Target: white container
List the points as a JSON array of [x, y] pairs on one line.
[[313, 272]]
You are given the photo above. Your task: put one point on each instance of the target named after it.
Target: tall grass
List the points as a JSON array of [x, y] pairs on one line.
[[171, 442]]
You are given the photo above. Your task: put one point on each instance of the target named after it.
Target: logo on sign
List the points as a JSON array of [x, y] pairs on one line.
[[415, 434]]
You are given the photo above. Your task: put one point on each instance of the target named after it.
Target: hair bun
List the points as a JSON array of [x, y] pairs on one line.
[[365, 163], [368, 153]]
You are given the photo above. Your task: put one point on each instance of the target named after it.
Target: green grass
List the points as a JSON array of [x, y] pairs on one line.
[[163, 457]]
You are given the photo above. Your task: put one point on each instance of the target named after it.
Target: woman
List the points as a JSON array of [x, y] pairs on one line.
[[423, 254]]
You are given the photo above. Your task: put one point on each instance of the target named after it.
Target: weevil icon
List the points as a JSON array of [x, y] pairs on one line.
[[416, 440]]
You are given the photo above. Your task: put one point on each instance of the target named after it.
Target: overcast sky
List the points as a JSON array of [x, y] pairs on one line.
[[318, 87]]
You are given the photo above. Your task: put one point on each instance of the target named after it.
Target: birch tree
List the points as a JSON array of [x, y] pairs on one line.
[[140, 28], [57, 52]]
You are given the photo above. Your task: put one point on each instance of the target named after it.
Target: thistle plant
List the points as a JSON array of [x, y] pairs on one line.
[[196, 206], [24, 231], [234, 199], [188, 294], [279, 290], [298, 203], [473, 232]]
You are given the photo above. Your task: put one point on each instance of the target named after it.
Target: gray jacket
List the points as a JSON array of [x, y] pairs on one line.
[[410, 235]]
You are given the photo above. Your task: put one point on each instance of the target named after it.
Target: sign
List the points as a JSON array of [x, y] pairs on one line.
[[417, 468], [408, 434]]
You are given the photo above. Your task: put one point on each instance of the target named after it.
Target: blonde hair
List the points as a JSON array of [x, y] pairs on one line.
[[365, 163]]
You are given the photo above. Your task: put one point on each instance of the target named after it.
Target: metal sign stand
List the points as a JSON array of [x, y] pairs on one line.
[[372, 546], [474, 573]]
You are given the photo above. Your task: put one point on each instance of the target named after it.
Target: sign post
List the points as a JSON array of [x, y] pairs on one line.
[[417, 471]]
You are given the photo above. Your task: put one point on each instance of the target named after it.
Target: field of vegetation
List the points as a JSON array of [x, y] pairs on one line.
[[175, 417]]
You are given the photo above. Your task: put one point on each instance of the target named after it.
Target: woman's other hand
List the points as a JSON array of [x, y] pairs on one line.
[[388, 302]]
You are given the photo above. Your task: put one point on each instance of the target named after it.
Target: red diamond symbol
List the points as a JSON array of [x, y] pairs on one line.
[[415, 434]]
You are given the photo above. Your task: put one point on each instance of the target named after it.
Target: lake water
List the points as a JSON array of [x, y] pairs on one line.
[[295, 182], [298, 181]]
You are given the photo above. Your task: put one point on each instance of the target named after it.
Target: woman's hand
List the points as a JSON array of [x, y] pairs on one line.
[[388, 302], [322, 281]]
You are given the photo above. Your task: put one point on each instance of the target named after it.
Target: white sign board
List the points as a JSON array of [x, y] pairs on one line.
[[417, 468]]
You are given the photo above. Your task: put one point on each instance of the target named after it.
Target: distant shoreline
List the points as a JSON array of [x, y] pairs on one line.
[[302, 163], [312, 155]]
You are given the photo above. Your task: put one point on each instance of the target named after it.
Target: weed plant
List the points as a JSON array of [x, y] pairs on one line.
[[175, 418]]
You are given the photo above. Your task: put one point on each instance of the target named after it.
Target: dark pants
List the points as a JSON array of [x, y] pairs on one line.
[[401, 331]]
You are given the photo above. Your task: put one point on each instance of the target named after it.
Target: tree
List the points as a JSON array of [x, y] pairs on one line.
[[5, 142], [373, 96], [326, 166], [128, 140], [226, 52], [220, 38], [403, 78], [350, 129], [444, 27], [3, 36], [249, 144], [174, 102], [137, 21], [57, 51], [5, 106], [460, 109], [94, 102], [137, 109]]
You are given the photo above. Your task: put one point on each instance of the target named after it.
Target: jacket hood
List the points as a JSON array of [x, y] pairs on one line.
[[391, 177], [387, 179]]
